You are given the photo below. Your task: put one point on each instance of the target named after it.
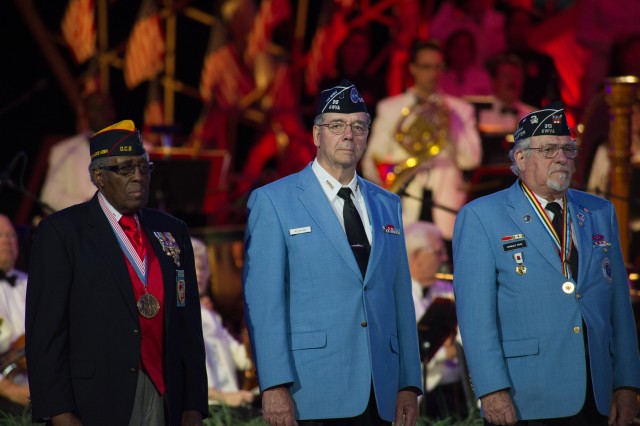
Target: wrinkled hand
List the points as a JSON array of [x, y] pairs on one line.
[[277, 407], [498, 408], [624, 407], [406, 407], [191, 418], [65, 419]]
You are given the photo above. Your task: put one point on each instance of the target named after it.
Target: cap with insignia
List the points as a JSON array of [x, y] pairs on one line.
[[343, 98], [550, 121], [118, 139]]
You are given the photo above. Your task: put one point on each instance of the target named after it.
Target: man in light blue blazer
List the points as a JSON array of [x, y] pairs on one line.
[[330, 316], [542, 293]]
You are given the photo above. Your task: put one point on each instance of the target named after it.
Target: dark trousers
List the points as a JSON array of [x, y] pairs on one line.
[[369, 417]]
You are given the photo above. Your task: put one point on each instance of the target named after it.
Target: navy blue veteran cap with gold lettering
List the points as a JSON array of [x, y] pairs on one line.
[[550, 121], [118, 139], [343, 98]]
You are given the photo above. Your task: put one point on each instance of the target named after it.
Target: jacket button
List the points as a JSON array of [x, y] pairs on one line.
[[133, 370], [578, 296], [363, 324], [135, 332], [576, 330]]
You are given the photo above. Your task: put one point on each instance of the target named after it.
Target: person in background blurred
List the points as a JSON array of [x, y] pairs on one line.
[[463, 77], [427, 255], [225, 355], [507, 78], [67, 181], [540, 75], [452, 122], [476, 16], [14, 389]]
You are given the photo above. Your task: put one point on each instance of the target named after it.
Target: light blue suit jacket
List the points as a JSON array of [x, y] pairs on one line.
[[314, 323], [523, 332]]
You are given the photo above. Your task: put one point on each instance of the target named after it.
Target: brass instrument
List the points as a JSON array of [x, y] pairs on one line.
[[423, 131]]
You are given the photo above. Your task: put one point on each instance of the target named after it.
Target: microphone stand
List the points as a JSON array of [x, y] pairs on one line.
[[402, 192]]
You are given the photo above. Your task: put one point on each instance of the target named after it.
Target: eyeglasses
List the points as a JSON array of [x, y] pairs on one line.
[[550, 151], [128, 168], [338, 127]]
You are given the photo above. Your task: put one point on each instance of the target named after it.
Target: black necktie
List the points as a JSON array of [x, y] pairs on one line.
[[11, 279], [355, 230], [557, 224]]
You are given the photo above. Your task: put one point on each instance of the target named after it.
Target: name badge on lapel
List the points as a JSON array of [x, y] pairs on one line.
[[303, 230], [181, 289]]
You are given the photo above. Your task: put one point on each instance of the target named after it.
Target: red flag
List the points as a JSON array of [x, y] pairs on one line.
[[144, 56], [78, 29], [322, 54], [153, 112], [271, 13], [224, 78]]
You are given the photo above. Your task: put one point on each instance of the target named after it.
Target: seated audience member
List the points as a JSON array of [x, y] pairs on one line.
[[67, 181], [507, 79], [14, 389], [225, 355], [463, 77], [427, 254]]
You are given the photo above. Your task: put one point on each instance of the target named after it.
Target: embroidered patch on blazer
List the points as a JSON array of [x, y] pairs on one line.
[[599, 241], [390, 229], [181, 289]]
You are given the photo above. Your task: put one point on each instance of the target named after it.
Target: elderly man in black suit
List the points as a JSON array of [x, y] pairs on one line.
[[114, 335]]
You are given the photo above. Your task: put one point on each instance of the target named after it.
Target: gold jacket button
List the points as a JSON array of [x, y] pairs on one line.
[[133, 370], [135, 332], [576, 330], [578, 296], [363, 324]]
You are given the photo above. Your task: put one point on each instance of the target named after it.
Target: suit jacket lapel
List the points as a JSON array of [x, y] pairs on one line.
[[315, 201], [102, 236], [534, 231]]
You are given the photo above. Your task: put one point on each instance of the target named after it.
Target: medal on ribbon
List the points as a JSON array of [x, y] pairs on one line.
[[169, 245]]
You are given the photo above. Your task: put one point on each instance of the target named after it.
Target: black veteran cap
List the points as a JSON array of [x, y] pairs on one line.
[[343, 98], [118, 139], [548, 121]]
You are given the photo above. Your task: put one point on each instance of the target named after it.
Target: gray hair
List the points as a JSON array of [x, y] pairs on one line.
[[520, 145], [417, 236], [101, 162]]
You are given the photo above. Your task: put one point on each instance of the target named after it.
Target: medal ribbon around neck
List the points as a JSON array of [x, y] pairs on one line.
[[132, 255], [562, 246]]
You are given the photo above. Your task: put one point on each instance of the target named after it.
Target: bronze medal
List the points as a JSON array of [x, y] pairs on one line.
[[148, 305]]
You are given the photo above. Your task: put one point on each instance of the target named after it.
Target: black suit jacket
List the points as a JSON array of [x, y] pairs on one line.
[[82, 326]]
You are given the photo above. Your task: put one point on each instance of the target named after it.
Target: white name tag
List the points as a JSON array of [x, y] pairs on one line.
[[297, 231]]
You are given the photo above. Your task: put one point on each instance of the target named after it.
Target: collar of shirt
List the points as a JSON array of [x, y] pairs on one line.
[[331, 185], [544, 202]]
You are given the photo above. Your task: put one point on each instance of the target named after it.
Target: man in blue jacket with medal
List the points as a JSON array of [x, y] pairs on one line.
[[542, 293]]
